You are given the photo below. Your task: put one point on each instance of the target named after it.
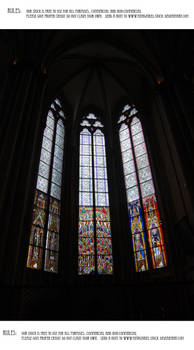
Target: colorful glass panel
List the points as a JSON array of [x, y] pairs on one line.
[[44, 235], [144, 221], [93, 240]]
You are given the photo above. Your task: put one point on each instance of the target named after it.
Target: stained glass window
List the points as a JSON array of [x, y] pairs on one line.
[[44, 236], [94, 226], [144, 218]]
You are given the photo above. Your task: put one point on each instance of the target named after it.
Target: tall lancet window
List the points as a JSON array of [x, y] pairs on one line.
[[44, 235], [94, 231], [144, 218]]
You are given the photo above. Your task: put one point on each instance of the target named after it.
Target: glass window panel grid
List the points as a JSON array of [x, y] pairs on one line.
[[99, 161], [142, 161], [57, 164], [59, 141], [99, 151], [140, 149], [45, 156], [102, 199], [100, 173], [50, 122], [125, 145], [127, 156], [85, 172], [43, 170], [86, 198], [48, 133], [129, 167], [85, 160], [130, 180], [136, 128], [138, 138], [56, 177], [85, 185], [55, 191], [98, 141], [124, 134], [58, 152], [85, 139], [100, 185], [147, 188], [47, 144], [132, 193], [60, 131], [86, 149]]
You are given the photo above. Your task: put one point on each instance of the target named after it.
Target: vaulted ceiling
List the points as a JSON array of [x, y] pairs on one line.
[[99, 68]]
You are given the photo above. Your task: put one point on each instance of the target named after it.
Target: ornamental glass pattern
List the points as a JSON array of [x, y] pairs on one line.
[[43, 247], [144, 217], [94, 226]]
